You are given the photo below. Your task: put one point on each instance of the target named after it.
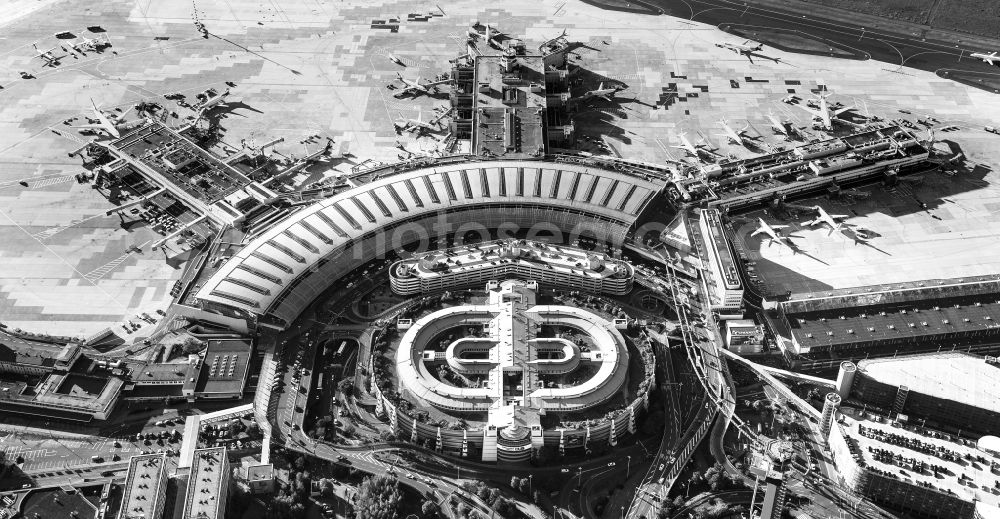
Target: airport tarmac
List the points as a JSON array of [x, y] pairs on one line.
[[321, 68], [955, 235]]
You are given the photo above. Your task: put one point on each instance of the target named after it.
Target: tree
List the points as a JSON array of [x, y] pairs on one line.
[[346, 386], [515, 482], [387, 436], [463, 509], [191, 345], [429, 508], [326, 487], [300, 463], [544, 455], [378, 498], [347, 429], [524, 486]]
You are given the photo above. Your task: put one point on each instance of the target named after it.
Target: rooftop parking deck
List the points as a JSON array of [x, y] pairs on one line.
[[936, 463]]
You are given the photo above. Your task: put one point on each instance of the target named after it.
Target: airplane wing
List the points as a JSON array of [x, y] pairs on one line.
[[72, 50], [813, 222], [89, 127], [607, 98], [807, 108], [838, 216], [779, 226], [842, 110], [758, 231]]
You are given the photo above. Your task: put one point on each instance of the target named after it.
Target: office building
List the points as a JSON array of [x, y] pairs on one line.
[[145, 487], [208, 485]]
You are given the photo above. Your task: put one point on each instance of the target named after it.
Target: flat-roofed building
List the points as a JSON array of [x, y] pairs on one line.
[[901, 316], [208, 485], [951, 389], [145, 487], [260, 478], [921, 475], [725, 287], [473, 265]]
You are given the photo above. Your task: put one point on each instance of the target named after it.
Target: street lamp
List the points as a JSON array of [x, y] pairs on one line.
[[579, 477], [628, 467], [530, 477]]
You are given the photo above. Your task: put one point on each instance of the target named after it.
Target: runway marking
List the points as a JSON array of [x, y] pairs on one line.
[[52, 231], [104, 270]]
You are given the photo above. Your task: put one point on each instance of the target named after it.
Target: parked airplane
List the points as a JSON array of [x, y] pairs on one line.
[[492, 35], [823, 114], [772, 232], [777, 125], [991, 58], [416, 87], [417, 125], [85, 44], [691, 149], [741, 48], [214, 101], [607, 94], [822, 217], [736, 137], [106, 126], [552, 42], [46, 55]]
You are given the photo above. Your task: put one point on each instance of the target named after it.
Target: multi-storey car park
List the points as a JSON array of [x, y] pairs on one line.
[[922, 473], [519, 362], [951, 390], [474, 265], [514, 361]]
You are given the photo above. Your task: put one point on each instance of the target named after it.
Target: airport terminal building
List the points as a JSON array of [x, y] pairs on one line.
[[904, 317], [273, 278]]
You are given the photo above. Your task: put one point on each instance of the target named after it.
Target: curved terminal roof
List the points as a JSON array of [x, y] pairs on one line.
[[260, 277]]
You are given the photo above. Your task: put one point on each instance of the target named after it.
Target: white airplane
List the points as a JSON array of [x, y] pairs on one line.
[[417, 125], [549, 43], [822, 217], [771, 231], [491, 35], [214, 101], [50, 59], [741, 48], [105, 125], [991, 58], [416, 87], [736, 137], [691, 149], [607, 94], [823, 114], [776, 124], [85, 44], [395, 60]]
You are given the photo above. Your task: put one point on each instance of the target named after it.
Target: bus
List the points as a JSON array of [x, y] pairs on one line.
[[319, 383], [340, 350]]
